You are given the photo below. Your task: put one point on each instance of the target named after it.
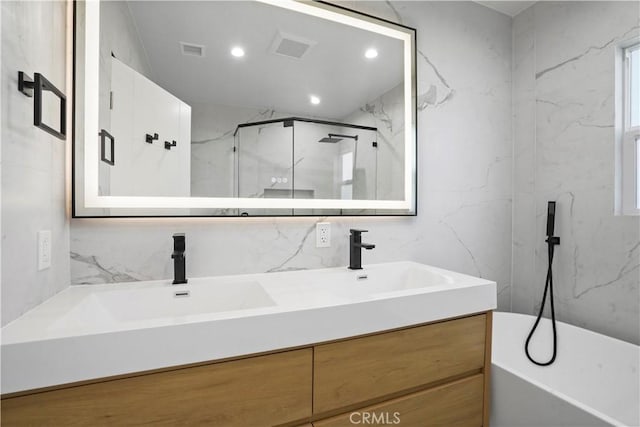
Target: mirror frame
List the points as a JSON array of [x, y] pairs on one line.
[[86, 201]]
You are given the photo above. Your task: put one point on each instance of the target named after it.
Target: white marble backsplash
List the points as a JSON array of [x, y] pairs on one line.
[[563, 100], [464, 200]]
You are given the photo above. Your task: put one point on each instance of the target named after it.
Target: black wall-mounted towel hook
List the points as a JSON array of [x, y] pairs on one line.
[[168, 145], [34, 88], [150, 138]]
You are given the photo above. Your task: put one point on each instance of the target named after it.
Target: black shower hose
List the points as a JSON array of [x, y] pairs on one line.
[[547, 288]]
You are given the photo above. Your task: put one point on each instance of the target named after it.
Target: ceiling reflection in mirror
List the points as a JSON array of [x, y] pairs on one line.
[[238, 100]]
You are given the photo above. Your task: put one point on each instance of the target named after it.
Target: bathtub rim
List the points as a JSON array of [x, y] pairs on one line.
[[563, 396]]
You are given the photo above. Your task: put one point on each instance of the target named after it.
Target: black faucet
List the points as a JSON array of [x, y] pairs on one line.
[[179, 274], [355, 246]]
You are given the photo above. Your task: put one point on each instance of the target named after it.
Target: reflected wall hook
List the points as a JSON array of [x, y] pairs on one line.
[[150, 138], [34, 88], [168, 145], [104, 135]]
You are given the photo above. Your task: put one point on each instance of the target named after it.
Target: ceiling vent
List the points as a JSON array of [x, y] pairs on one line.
[[291, 46], [191, 49]]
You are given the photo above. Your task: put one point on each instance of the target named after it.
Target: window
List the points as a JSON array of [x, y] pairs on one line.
[[630, 135], [346, 188]]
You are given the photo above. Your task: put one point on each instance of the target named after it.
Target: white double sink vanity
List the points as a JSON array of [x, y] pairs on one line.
[[118, 332]]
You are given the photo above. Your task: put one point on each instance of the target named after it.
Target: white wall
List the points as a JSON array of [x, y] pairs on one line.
[[33, 174], [142, 107], [464, 221], [119, 38], [564, 143]]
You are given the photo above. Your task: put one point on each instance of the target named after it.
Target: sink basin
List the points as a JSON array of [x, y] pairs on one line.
[[373, 281], [398, 278], [143, 326], [146, 303], [174, 301]]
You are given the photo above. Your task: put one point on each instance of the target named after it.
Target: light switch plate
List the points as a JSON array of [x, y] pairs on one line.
[[44, 249], [323, 235]]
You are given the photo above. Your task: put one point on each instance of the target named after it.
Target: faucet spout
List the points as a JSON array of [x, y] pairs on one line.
[[179, 264], [355, 249]]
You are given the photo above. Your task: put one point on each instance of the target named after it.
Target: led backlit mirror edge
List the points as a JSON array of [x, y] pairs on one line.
[[91, 200]]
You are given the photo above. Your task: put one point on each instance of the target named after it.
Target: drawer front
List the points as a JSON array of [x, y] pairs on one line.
[[258, 391], [457, 404], [353, 371]]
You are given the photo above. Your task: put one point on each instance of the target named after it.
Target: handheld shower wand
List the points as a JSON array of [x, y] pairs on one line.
[[552, 241]]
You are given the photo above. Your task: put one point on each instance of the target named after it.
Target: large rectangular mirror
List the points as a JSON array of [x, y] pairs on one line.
[[242, 108]]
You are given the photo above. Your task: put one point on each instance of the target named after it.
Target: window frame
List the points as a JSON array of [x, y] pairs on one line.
[[629, 144]]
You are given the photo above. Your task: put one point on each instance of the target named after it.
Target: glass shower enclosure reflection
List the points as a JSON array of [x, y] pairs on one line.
[[305, 159]]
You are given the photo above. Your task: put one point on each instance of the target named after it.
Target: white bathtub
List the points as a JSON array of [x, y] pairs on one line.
[[594, 381]]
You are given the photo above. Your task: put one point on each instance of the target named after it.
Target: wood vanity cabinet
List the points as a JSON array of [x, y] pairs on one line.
[[434, 374], [263, 390], [362, 369], [458, 403]]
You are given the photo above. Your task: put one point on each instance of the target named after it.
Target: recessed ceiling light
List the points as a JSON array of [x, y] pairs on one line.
[[314, 100], [237, 51], [371, 53]]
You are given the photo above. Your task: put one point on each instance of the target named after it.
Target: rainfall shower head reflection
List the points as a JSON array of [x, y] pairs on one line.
[[335, 137]]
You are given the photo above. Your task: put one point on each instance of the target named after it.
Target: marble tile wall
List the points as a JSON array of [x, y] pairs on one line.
[[386, 114], [464, 201], [212, 140], [563, 101], [33, 171]]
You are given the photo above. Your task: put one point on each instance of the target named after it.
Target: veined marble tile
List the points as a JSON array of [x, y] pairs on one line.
[[524, 285], [33, 182], [524, 126], [596, 267], [524, 102], [569, 32], [596, 276]]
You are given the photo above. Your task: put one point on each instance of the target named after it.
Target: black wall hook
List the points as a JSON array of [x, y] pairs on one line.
[[104, 135], [34, 88], [25, 84], [150, 138], [168, 145]]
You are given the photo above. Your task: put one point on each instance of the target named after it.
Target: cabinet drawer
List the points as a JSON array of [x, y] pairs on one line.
[[457, 404], [358, 370], [257, 391]]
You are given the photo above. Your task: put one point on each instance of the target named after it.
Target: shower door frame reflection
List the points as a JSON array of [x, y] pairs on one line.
[[280, 182]]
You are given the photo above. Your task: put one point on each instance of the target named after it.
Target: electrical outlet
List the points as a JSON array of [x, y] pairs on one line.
[[44, 249], [323, 235]]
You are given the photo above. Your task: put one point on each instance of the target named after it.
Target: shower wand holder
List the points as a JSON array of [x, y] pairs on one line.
[[553, 240], [551, 220]]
